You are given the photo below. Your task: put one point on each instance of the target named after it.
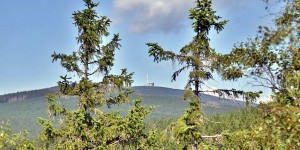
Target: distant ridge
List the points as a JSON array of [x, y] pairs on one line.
[[22, 108], [157, 91], [169, 92], [25, 95], [139, 91]]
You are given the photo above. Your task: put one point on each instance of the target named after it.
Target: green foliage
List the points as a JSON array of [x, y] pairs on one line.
[[291, 94], [201, 61], [205, 18], [197, 55], [13, 141], [187, 130], [93, 58], [88, 127], [278, 128], [107, 130], [134, 126], [285, 126], [225, 125], [272, 59], [232, 121], [199, 58]]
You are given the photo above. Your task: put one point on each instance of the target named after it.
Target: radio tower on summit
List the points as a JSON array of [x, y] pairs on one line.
[[148, 82]]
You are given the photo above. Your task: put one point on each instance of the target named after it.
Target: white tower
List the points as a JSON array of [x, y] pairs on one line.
[[147, 79], [148, 82]]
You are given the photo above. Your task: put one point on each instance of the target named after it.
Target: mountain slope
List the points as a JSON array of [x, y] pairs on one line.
[[158, 96], [163, 91], [23, 108], [141, 91]]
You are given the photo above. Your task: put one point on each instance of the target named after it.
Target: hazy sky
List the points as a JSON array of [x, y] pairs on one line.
[[31, 30]]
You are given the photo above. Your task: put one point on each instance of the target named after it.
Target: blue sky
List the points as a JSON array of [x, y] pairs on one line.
[[30, 31]]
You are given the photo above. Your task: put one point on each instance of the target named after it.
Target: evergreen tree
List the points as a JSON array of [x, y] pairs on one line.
[[88, 127], [93, 58], [197, 55], [201, 60]]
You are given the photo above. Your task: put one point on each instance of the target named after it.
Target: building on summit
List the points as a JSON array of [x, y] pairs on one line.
[[149, 83]]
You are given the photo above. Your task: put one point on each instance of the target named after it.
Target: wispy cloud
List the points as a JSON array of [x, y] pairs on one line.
[[152, 15], [146, 16]]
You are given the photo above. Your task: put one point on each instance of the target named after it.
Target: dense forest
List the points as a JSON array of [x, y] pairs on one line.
[[270, 60]]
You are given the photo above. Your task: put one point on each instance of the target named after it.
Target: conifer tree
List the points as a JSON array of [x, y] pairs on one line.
[[201, 60], [93, 58], [88, 127], [197, 55]]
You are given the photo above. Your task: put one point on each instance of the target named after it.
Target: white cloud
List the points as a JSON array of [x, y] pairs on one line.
[[145, 16], [152, 15]]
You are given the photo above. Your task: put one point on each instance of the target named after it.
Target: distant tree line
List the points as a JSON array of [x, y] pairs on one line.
[[25, 95]]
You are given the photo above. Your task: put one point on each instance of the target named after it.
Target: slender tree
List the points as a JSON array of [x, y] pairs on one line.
[[88, 127], [201, 60], [93, 58], [197, 55]]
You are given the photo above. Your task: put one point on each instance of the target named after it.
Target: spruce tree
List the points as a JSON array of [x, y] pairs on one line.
[[201, 61], [88, 127], [196, 56]]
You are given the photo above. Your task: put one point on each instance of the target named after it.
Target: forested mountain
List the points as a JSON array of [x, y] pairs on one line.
[[139, 91], [168, 103], [163, 91]]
